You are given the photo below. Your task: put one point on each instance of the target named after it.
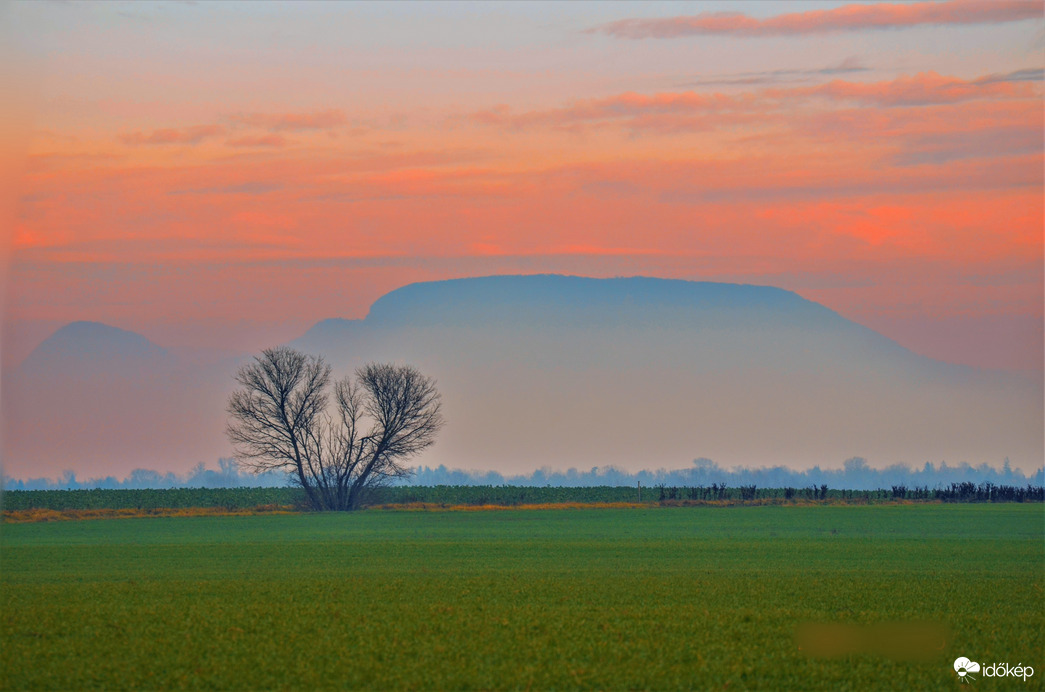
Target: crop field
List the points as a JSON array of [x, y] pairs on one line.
[[640, 598], [231, 499]]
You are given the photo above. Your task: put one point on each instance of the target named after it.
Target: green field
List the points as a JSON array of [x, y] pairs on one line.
[[658, 598], [246, 498]]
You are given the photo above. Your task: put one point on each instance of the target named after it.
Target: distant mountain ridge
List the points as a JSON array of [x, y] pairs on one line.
[[551, 299], [563, 305], [506, 301], [561, 371]]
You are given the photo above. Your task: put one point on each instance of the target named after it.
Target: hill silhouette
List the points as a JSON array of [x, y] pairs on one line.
[[91, 345], [568, 371], [94, 396], [560, 372]]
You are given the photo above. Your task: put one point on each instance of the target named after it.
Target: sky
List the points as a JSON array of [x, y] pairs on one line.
[[221, 176]]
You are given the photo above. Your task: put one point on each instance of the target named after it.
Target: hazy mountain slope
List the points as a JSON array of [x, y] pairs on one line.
[[89, 345], [649, 372], [101, 400], [556, 371]]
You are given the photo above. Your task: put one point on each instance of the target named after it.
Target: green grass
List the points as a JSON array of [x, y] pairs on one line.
[[659, 598], [150, 498], [246, 498]]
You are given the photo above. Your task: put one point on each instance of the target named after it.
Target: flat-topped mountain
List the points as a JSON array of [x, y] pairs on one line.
[[571, 306], [552, 300], [570, 371]]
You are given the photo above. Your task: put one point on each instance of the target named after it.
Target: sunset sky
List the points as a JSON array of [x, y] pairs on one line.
[[222, 176]]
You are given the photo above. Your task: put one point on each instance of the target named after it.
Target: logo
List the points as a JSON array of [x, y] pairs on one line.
[[965, 668]]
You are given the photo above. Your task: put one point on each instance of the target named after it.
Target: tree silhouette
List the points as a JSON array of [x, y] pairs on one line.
[[278, 419]]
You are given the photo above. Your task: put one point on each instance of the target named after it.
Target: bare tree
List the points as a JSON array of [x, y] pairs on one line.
[[278, 419]]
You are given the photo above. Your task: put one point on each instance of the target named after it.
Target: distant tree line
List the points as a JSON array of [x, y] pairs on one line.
[[505, 495], [955, 492], [855, 474], [227, 475]]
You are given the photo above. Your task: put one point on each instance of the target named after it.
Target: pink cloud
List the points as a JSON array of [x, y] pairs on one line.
[[185, 135], [692, 110], [656, 111], [295, 122], [853, 17], [921, 89]]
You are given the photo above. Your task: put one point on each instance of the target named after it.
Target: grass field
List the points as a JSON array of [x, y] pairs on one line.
[[657, 598], [230, 499]]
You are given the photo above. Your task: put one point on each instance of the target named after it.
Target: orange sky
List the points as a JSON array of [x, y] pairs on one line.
[[223, 176]]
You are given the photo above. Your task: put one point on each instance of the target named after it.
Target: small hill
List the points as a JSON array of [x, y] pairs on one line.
[[101, 400], [92, 345]]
